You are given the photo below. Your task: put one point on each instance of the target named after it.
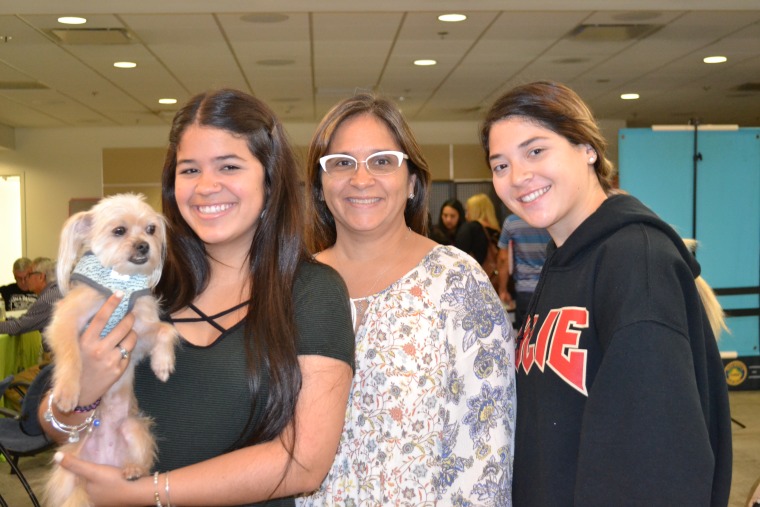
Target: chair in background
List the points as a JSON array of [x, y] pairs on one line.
[[22, 434], [4, 385]]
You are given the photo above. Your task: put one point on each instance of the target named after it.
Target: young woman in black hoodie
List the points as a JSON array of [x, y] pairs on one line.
[[622, 398]]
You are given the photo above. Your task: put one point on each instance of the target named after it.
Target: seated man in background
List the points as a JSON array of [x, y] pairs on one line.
[[17, 296], [41, 281]]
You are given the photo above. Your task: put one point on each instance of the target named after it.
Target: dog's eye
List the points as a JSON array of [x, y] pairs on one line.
[[119, 231], [151, 229]]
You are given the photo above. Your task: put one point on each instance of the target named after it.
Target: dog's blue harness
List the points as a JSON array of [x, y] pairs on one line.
[[89, 270]]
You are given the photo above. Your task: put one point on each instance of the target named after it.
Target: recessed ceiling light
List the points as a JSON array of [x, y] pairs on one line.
[[452, 18], [72, 20], [167, 101], [125, 65], [629, 96], [424, 63], [715, 59]]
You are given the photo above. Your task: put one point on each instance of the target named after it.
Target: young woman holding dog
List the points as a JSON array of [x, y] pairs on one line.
[[430, 415], [621, 392], [255, 408]]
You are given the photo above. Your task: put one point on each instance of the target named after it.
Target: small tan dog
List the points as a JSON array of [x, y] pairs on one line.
[[118, 245]]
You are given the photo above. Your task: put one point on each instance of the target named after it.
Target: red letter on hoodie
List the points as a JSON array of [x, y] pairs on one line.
[[564, 357]]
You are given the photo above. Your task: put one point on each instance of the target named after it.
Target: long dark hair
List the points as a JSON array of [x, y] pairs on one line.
[[558, 108], [275, 253], [321, 231], [440, 233], [455, 205]]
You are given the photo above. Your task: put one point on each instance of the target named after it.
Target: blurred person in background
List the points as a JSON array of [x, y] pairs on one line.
[[522, 253], [481, 227], [450, 219], [17, 296], [41, 281]]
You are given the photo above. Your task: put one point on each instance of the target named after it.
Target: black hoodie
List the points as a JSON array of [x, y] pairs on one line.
[[621, 395]]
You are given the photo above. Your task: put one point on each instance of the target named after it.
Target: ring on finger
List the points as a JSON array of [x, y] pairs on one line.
[[124, 352]]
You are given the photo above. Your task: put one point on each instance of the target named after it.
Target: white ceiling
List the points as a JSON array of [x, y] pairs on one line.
[[326, 49]]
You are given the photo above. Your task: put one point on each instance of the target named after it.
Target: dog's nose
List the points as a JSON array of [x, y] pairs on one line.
[[142, 247]]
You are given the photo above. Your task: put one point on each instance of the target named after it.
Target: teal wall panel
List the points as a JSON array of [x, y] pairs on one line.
[[654, 170], [658, 168]]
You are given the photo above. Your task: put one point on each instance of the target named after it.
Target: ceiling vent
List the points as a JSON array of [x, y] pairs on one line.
[[22, 85], [92, 36], [612, 32], [748, 87]]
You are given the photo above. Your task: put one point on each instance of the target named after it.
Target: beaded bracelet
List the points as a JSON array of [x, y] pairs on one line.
[[72, 430], [155, 490], [87, 408]]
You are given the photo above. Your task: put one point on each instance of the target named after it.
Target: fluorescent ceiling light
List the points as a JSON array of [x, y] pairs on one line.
[[167, 101], [425, 63], [629, 96], [72, 20], [125, 65], [452, 18], [715, 59]]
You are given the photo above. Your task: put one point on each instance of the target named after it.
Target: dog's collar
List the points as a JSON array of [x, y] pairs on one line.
[[90, 261], [90, 271]]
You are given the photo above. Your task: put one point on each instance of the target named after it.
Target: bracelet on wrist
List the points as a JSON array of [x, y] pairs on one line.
[[155, 490], [166, 488], [87, 408], [73, 430]]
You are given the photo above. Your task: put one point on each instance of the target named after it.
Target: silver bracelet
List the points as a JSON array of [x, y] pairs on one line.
[[73, 430], [166, 488]]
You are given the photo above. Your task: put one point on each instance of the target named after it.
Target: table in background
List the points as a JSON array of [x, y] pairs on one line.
[[19, 351]]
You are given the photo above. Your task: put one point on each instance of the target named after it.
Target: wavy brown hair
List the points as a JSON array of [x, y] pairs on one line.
[[321, 231], [275, 253], [558, 108]]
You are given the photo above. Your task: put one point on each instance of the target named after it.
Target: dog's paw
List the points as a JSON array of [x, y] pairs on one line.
[[167, 334], [162, 363], [132, 471], [66, 396]]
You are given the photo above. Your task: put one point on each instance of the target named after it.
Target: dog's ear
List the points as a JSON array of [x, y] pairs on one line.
[[161, 227], [73, 238]]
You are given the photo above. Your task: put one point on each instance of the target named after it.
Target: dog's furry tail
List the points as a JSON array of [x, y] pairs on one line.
[[64, 489], [714, 311]]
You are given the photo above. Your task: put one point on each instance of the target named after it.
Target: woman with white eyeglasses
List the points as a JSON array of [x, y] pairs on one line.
[[431, 411]]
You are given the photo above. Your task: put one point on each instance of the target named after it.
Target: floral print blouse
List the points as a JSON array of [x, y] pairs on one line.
[[430, 418]]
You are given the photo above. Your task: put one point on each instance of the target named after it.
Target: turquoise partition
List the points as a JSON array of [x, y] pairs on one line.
[[706, 183]]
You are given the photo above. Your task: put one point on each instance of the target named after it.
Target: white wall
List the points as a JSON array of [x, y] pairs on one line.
[[58, 165], [10, 224]]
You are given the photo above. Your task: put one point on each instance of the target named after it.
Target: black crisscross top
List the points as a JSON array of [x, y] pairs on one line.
[[211, 319]]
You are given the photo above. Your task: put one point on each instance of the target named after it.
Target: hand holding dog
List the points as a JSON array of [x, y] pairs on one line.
[[101, 358], [105, 485]]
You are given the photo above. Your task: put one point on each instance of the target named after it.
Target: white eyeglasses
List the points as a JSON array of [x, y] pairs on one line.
[[379, 164]]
